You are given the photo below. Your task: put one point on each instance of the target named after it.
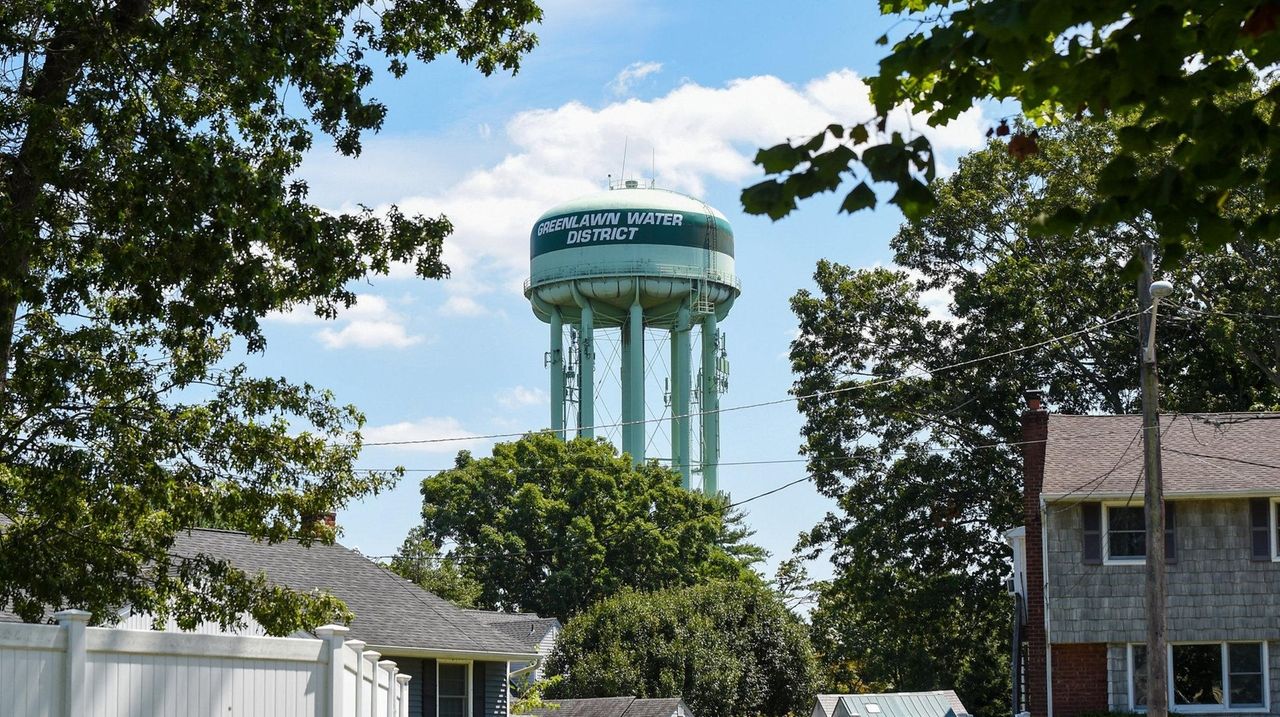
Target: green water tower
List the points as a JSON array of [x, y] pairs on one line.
[[634, 258]]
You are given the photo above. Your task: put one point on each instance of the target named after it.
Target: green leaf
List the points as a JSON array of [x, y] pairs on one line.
[[780, 158], [914, 199], [768, 197], [861, 197]]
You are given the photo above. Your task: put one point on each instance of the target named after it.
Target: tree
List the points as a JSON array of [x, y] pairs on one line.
[[419, 561], [1184, 71], [550, 526], [923, 459], [149, 218], [727, 648]]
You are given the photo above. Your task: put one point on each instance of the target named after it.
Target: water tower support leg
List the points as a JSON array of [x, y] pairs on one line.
[[680, 380], [633, 384], [556, 367], [586, 370], [710, 407]]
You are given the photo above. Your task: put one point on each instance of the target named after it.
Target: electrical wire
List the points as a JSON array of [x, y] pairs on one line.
[[790, 399]]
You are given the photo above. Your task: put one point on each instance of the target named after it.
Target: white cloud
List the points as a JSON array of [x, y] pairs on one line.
[[631, 74], [369, 323], [520, 397], [430, 428], [700, 134], [368, 335], [461, 305]]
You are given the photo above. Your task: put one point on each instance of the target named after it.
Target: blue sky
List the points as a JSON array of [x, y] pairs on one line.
[[696, 86]]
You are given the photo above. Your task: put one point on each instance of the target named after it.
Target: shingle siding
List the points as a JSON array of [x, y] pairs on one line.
[[1215, 591]]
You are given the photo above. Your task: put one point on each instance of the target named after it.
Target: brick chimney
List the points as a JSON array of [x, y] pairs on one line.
[[1035, 433]]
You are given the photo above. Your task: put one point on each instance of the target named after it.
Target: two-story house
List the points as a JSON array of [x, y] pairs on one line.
[[1079, 560]]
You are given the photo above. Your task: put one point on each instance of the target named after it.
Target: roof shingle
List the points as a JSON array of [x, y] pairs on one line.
[[390, 611], [1215, 453]]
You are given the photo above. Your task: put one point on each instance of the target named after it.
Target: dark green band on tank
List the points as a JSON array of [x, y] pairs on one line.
[[629, 226]]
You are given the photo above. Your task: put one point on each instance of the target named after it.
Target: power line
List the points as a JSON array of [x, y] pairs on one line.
[[609, 538], [790, 399], [780, 461]]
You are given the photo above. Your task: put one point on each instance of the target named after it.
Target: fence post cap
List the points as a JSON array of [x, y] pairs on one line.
[[403, 678], [372, 655], [331, 630], [73, 616], [357, 645], [388, 664]]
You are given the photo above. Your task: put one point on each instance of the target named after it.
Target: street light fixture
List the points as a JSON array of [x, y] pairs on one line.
[[1159, 290]]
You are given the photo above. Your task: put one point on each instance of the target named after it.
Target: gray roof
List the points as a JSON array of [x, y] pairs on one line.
[[390, 611], [826, 705], [527, 627], [938, 703], [1213, 453], [615, 707]]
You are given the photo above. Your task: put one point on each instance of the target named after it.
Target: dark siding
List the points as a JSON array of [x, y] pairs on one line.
[[428, 691], [413, 668], [495, 689], [477, 688]]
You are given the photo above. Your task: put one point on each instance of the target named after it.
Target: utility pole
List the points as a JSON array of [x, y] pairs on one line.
[[1157, 669]]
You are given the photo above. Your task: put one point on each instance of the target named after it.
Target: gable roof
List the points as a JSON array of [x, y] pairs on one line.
[[393, 615], [528, 628], [1100, 457], [938, 703], [825, 706], [615, 707]]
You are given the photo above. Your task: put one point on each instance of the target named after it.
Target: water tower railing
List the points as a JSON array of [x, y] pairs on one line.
[[647, 269]]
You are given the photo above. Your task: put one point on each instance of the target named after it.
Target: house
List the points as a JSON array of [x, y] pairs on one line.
[[530, 629], [615, 707], [1079, 582], [458, 664], [938, 703]]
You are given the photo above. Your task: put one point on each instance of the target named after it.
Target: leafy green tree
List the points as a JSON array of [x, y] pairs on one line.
[[149, 218], [727, 648], [1185, 70], [419, 561], [923, 460], [549, 526]]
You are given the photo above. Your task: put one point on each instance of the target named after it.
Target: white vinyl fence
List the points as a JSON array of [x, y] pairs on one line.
[[72, 670]]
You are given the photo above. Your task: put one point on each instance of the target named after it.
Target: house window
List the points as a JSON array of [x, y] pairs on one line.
[[452, 680], [1206, 676], [1125, 528], [1264, 528]]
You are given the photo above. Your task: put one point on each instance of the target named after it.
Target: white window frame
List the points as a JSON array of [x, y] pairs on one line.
[[1226, 678], [1273, 525], [1106, 533], [468, 698]]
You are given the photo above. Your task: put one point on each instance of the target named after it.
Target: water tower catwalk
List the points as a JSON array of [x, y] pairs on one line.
[[636, 258]]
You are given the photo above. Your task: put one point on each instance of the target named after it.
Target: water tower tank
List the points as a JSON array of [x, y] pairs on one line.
[[634, 258]]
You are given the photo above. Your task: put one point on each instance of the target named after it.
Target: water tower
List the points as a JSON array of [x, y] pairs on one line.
[[637, 258]]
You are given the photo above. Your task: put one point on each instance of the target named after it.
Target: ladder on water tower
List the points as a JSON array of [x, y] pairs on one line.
[[702, 304]]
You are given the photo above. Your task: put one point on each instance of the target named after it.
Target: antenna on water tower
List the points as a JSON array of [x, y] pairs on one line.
[[625, 142]]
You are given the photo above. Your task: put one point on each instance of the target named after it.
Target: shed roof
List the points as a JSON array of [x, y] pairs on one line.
[[1201, 454], [938, 703]]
